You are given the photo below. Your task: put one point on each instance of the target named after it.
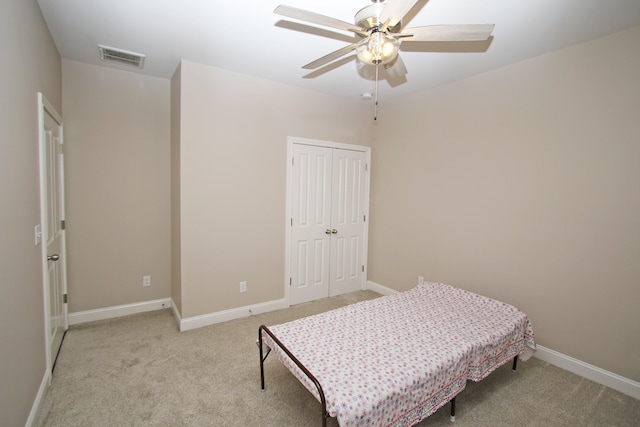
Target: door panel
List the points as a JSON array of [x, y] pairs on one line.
[[347, 218], [311, 217]]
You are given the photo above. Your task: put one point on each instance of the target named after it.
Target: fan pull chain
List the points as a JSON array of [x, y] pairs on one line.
[[375, 107]]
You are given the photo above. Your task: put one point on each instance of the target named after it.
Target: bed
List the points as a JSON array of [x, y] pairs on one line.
[[394, 360]]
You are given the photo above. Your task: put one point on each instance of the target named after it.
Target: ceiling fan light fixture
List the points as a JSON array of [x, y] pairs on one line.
[[378, 48]]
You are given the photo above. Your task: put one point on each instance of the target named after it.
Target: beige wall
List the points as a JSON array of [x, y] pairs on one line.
[[117, 133], [30, 64], [233, 139], [522, 184]]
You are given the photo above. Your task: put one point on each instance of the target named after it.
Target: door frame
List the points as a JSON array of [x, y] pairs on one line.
[[291, 140], [45, 107]]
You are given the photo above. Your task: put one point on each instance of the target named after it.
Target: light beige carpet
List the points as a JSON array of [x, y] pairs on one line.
[[140, 371]]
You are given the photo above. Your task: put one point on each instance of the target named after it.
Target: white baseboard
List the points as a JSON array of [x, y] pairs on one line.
[[37, 403], [118, 311], [590, 372], [226, 315], [568, 363], [382, 290]]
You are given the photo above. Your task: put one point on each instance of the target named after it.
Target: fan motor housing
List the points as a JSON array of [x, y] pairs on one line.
[[367, 18]]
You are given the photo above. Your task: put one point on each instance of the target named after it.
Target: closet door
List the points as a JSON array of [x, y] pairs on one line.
[[347, 221], [328, 202], [310, 246]]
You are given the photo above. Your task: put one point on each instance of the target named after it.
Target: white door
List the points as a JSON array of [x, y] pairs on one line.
[[310, 223], [52, 229], [347, 221], [328, 206]]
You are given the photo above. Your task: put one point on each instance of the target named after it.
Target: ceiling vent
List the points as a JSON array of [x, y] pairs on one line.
[[110, 54]]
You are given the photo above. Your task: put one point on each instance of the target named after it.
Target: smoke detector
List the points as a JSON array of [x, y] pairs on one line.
[[111, 54]]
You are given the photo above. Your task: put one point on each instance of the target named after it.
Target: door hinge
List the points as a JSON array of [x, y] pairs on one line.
[[292, 159], [365, 218], [62, 224], [64, 298], [363, 268], [290, 281], [292, 222], [366, 167]]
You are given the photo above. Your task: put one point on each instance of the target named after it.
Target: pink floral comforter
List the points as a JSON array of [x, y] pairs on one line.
[[395, 360]]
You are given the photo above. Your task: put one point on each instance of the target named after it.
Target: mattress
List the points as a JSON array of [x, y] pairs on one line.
[[394, 360]]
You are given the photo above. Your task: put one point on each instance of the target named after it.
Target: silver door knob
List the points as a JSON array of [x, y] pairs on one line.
[[327, 231], [54, 257], [334, 231]]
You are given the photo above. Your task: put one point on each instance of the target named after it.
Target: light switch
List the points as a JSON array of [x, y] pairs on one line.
[[38, 234]]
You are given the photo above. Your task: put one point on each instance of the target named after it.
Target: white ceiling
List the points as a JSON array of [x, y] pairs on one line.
[[247, 37]]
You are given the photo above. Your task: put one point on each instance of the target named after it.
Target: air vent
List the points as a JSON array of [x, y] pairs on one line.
[[110, 54]]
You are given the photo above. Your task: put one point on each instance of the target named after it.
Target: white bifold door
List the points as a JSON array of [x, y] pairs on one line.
[[329, 194]]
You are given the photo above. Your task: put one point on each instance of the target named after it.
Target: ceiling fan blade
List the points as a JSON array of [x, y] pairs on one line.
[[396, 69], [316, 18], [330, 57], [447, 33], [394, 11]]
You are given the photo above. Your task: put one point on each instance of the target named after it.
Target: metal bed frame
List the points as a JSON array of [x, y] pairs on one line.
[[313, 379]]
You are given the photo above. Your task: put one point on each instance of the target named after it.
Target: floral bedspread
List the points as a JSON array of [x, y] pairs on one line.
[[395, 360]]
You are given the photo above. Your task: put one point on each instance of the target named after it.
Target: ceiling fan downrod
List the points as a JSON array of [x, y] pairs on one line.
[[375, 105]]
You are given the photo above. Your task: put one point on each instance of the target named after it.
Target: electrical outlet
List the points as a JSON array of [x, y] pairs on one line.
[[146, 281], [243, 286], [420, 280]]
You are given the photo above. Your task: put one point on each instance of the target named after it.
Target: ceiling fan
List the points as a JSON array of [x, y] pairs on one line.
[[380, 27]]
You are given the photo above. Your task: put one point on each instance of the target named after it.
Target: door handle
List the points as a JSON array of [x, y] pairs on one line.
[[334, 231], [54, 257], [327, 231]]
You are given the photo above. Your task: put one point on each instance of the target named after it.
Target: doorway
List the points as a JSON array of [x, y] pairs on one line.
[[327, 209]]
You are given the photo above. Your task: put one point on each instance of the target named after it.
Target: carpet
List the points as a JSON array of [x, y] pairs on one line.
[[140, 370]]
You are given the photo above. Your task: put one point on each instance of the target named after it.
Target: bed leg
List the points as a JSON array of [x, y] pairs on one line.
[[515, 363], [261, 359], [452, 417]]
